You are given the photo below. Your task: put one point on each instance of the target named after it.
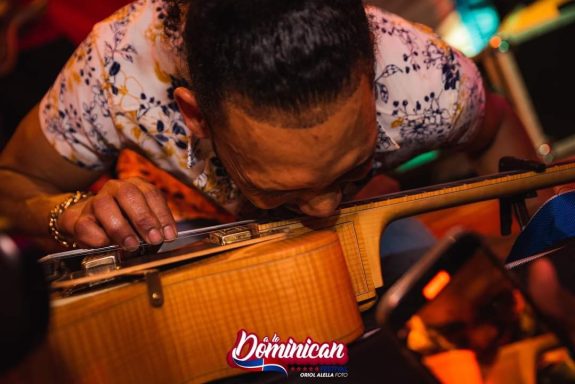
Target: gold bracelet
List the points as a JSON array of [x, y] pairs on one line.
[[58, 210]]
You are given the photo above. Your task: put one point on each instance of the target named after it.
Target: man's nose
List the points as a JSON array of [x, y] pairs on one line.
[[322, 204]]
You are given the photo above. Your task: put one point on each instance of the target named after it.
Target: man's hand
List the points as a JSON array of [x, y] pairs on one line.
[[121, 212]]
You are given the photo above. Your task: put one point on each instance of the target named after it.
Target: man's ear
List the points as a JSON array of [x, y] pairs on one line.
[[191, 113]]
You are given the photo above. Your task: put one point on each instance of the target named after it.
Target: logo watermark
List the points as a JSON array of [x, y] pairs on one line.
[[307, 358]]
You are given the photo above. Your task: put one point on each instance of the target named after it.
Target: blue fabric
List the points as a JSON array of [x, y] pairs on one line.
[[552, 224], [401, 245]]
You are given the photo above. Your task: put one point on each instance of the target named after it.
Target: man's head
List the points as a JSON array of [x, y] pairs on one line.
[[284, 90]]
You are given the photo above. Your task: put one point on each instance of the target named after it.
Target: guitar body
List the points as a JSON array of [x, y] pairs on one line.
[[297, 287]]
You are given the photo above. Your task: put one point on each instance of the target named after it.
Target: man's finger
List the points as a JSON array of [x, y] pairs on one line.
[[134, 205], [112, 220], [157, 203], [88, 233]]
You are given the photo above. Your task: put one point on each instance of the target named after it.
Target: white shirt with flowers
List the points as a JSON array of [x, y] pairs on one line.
[[116, 91]]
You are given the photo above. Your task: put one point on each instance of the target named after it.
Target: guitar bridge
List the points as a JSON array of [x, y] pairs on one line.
[[96, 264], [230, 235]]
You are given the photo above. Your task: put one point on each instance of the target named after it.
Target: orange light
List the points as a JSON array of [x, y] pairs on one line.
[[495, 42], [436, 285]]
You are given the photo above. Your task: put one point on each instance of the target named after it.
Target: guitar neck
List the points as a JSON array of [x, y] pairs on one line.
[[466, 191], [369, 217]]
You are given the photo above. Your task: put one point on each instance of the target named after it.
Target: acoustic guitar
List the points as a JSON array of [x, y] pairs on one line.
[[173, 317]]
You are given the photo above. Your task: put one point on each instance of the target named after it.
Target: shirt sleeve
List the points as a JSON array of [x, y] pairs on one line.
[[428, 95], [76, 112]]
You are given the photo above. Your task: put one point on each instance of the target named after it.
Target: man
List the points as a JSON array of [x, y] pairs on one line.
[[267, 101]]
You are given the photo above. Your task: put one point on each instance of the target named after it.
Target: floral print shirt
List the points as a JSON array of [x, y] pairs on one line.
[[116, 91]]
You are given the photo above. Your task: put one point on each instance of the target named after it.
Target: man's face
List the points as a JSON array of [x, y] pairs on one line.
[[300, 167]]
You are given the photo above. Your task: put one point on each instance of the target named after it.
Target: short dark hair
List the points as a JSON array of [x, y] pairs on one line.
[[283, 54]]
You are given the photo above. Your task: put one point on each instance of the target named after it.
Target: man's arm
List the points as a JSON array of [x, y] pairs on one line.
[[501, 134], [35, 178]]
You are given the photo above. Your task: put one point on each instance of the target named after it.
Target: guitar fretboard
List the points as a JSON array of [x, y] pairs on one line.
[[451, 194]]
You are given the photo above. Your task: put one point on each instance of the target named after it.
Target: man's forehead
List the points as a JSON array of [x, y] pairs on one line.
[[302, 114], [273, 157], [301, 175], [304, 160]]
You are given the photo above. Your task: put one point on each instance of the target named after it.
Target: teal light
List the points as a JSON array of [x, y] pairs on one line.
[[480, 21]]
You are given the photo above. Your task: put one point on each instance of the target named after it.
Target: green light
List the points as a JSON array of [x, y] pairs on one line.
[[418, 161], [504, 46]]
